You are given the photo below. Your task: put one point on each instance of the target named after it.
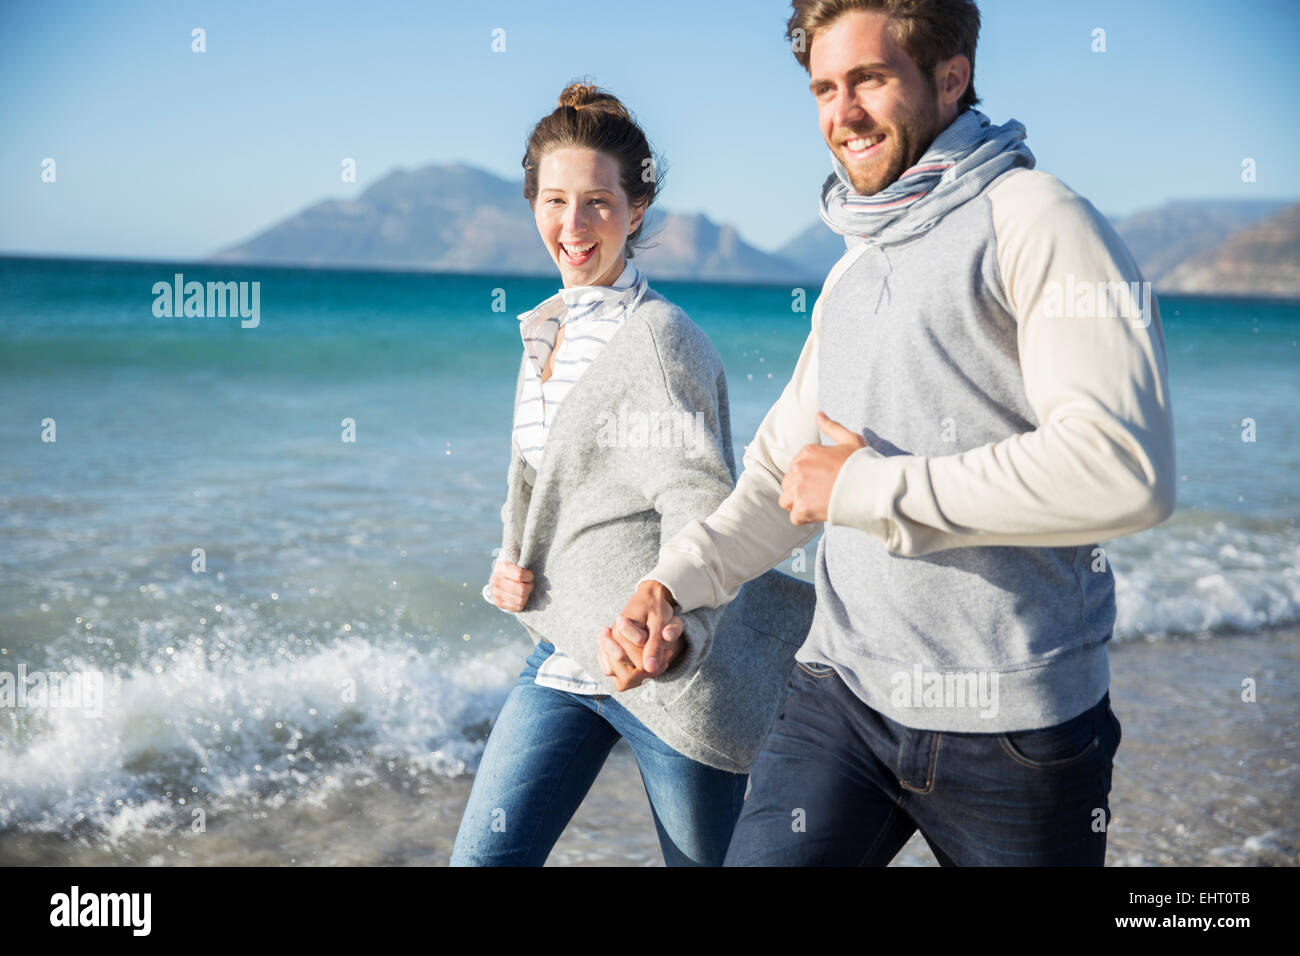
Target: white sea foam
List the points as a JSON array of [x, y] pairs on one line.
[[180, 732], [1199, 574]]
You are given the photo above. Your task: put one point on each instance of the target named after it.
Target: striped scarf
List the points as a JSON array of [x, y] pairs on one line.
[[960, 163], [590, 315]]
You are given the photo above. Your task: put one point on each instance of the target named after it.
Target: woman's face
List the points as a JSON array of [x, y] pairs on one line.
[[583, 215]]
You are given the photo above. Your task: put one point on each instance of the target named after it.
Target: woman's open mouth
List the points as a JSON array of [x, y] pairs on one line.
[[577, 253]]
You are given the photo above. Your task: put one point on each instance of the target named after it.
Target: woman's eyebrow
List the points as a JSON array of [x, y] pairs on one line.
[[557, 189]]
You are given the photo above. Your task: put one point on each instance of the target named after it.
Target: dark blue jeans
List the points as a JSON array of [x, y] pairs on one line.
[[840, 784]]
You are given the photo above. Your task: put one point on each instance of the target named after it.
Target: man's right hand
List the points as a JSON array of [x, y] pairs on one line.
[[644, 623], [511, 586]]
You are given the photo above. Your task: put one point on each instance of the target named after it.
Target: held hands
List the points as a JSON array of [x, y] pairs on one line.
[[806, 488], [645, 639], [511, 585]]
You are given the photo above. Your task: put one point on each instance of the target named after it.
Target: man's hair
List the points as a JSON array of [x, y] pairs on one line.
[[927, 30]]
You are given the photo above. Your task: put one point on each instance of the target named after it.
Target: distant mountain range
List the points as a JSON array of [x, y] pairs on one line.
[[457, 218], [1224, 247], [1263, 260]]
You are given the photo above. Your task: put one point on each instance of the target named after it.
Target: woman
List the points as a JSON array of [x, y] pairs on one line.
[[621, 436]]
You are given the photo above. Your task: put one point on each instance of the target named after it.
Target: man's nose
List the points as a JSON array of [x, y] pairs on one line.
[[847, 111]]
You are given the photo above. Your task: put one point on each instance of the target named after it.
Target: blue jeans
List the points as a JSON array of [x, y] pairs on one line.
[[840, 784], [543, 755]]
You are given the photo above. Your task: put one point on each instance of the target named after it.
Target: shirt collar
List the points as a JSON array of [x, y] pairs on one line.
[[581, 294], [566, 299]]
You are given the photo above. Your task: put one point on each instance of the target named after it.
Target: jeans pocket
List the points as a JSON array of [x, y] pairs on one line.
[[1054, 748], [1114, 722], [814, 669], [541, 651]]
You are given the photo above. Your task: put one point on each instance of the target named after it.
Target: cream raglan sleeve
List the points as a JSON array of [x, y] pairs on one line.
[[1100, 464], [707, 561]]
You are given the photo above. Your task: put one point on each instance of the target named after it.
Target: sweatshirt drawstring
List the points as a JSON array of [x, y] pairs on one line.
[[885, 296]]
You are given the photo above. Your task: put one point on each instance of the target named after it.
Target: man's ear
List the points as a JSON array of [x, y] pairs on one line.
[[951, 77]]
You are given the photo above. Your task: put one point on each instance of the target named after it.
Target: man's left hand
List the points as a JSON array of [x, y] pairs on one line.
[[806, 488]]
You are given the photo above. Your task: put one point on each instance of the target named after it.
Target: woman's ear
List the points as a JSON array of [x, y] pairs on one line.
[[638, 214]]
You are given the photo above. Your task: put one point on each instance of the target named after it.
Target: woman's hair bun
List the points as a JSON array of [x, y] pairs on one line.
[[585, 96]]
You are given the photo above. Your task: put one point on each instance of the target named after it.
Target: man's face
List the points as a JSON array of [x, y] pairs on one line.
[[877, 110]]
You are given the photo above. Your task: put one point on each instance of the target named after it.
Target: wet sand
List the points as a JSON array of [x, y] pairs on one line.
[[1202, 778]]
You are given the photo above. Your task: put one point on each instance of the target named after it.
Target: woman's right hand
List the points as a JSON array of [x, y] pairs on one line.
[[511, 586]]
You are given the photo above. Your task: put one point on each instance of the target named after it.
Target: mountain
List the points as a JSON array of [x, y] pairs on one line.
[[452, 218], [456, 218], [815, 249], [1162, 238], [1259, 260], [692, 246]]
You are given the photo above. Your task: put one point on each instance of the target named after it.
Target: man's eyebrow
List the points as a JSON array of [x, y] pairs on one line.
[[860, 68]]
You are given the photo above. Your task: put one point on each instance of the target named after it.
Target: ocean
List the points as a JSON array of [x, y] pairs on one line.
[[297, 664]]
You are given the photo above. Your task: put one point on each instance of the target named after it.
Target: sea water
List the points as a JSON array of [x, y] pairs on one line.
[[288, 623]]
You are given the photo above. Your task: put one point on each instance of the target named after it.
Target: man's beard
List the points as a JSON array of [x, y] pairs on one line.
[[906, 143]]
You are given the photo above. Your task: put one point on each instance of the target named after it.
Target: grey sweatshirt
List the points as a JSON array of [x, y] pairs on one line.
[[640, 447], [1006, 370]]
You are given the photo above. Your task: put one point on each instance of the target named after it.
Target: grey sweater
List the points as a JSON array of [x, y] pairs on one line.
[[640, 447]]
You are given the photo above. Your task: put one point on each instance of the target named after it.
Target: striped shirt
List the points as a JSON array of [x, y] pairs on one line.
[[590, 315]]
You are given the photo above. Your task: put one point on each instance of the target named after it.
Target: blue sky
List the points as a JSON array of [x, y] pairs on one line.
[[162, 152]]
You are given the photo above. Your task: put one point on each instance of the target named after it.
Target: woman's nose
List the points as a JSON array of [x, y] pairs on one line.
[[574, 218]]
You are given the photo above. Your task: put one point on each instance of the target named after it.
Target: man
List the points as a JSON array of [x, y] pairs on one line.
[[987, 369]]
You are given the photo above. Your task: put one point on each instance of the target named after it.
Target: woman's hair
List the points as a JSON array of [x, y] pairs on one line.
[[589, 117]]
